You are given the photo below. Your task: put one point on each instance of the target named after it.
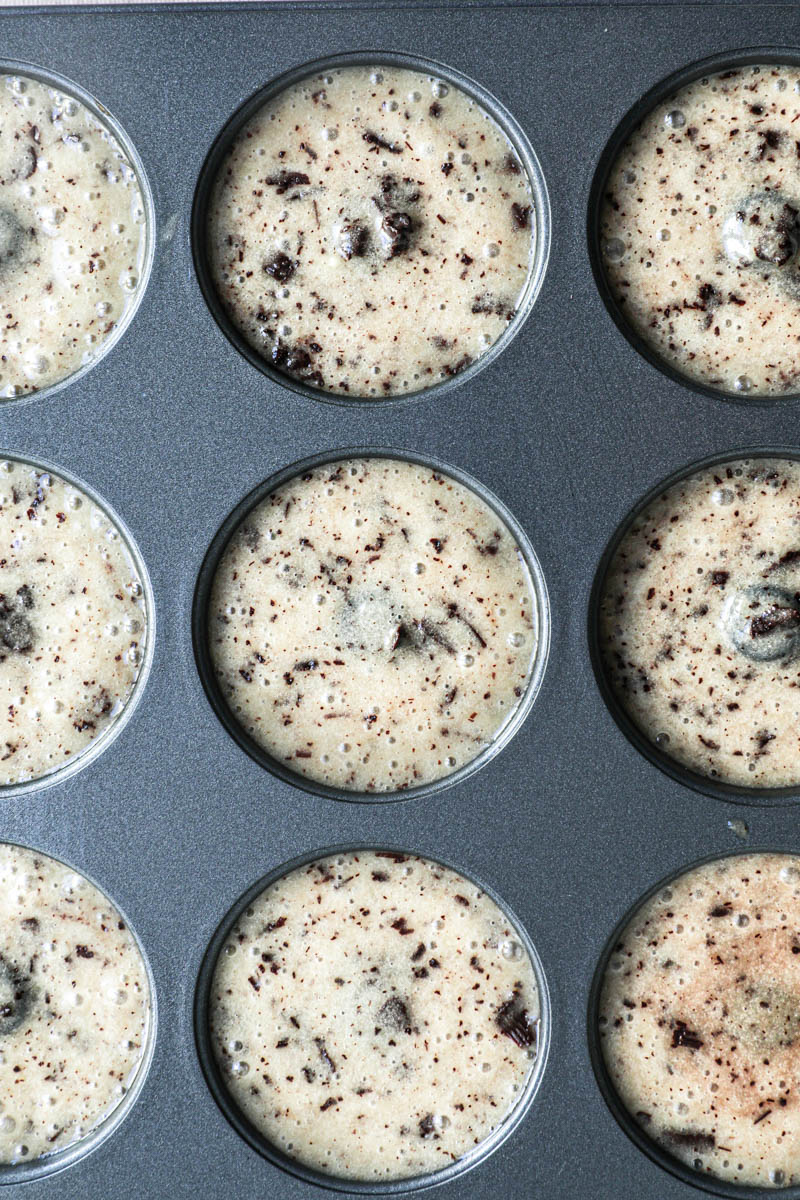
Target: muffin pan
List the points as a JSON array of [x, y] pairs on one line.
[[568, 426]]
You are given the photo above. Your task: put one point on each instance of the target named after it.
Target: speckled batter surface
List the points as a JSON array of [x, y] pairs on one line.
[[72, 235], [370, 231], [74, 1006], [700, 230], [73, 623], [375, 1015], [700, 1018], [699, 622], [372, 625]]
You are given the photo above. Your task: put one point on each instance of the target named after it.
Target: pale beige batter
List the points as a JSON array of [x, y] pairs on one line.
[[375, 1015], [373, 624], [700, 1018], [370, 231], [699, 230], [74, 1006], [72, 235], [73, 622], [699, 622]]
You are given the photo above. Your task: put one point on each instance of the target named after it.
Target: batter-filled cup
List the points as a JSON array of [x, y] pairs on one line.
[[697, 1012], [371, 624], [76, 625], [75, 246], [371, 229], [698, 622], [698, 228], [372, 1016], [76, 1015]]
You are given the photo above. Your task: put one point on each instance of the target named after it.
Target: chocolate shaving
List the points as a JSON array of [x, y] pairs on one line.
[[376, 141], [514, 1020], [285, 180], [774, 617], [323, 1053], [682, 1035]]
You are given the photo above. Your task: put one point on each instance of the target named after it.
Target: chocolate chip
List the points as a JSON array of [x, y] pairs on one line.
[[323, 1053], [377, 142], [774, 617], [427, 1127], [492, 304], [514, 1020], [284, 180], [694, 1138], [521, 214], [786, 560], [682, 1035], [395, 232], [280, 267], [12, 240], [394, 1015], [16, 631], [22, 166], [16, 997], [353, 240]]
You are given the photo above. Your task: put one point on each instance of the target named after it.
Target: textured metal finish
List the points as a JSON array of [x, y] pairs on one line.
[[569, 427]]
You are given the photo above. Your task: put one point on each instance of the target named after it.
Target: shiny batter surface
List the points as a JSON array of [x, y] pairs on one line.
[[370, 231], [372, 625], [699, 230], [73, 622], [72, 235], [700, 1018], [74, 1006], [699, 622], [374, 1015]]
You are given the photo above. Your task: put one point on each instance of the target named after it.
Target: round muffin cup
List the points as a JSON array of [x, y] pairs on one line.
[[102, 741], [266, 1148], [98, 110], [202, 597], [753, 56], [372, 58], [27, 1172], [692, 779], [706, 1183]]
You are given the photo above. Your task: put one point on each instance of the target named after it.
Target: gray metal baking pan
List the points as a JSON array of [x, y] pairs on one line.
[[569, 427]]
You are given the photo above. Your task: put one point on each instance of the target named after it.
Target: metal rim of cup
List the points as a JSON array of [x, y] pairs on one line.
[[230, 722], [70, 767], [59, 1160], [635, 1132], [765, 56], [540, 249], [257, 1141], [707, 785], [26, 70]]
